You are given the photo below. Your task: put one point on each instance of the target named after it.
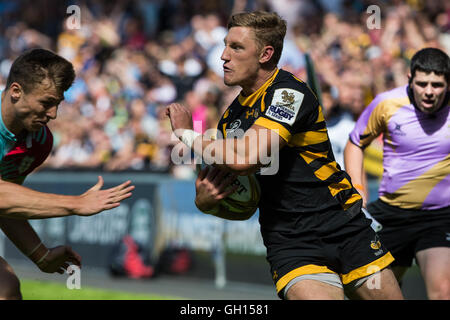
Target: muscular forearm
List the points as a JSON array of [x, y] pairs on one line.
[[353, 159], [354, 165], [229, 154], [259, 147], [23, 203], [20, 233]]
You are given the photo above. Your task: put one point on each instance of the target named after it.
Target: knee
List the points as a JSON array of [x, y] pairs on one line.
[[440, 290], [10, 287]]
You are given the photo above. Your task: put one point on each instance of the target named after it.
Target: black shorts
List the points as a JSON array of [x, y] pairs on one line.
[[406, 231], [352, 251]]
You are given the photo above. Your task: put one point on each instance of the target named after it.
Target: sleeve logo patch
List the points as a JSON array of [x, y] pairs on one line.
[[285, 105]]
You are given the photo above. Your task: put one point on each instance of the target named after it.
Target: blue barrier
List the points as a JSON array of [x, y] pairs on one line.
[[161, 213]]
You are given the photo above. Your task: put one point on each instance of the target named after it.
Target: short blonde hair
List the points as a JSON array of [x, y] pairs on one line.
[[269, 29]]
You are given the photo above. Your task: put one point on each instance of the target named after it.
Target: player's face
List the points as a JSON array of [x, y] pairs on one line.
[[429, 91], [241, 57], [36, 108]]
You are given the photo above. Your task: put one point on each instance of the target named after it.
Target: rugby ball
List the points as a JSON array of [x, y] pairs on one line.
[[245, 199]]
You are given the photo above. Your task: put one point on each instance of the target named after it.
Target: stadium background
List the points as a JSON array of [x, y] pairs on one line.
[[132, 58]]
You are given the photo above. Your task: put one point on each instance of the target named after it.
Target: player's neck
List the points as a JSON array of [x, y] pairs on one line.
[[261, 78]]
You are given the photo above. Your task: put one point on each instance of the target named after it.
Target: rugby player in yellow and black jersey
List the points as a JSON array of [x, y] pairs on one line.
[[318, 241]]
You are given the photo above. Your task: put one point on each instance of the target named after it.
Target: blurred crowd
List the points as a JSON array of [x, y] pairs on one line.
[[133, 58]]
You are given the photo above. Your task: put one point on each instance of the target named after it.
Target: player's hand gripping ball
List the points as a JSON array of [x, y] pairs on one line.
[[245, 199]]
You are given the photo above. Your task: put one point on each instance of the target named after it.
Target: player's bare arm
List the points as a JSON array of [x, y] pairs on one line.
[[23, 203], [240, 155], [354, 165], [212, 185], [28, 242]]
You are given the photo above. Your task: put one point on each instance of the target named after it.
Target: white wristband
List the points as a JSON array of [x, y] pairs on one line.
[[188, 137]]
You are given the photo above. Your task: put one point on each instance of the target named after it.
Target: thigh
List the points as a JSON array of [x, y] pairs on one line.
[[433, 254], [314, 290], [6, 271], [379, 286], [434, 264], [9, 283]]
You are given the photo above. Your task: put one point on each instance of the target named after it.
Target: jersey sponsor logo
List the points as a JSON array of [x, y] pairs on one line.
[[254, 113], [285, 105], [398, 130], [11, 169], [25, 164], [234, 125]]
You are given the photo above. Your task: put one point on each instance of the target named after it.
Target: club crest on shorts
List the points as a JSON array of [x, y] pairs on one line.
[[275, 275], [285, 105], [375, 244]]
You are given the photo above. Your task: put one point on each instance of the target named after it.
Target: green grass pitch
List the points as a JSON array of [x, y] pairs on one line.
[[39, 290]]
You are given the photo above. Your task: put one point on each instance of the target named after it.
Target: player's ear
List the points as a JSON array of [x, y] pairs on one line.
[[409, 77], [266, 54], [15, 91]]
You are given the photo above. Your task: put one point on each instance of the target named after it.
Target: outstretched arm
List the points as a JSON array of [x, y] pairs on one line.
[[24, 203], [28, 242], [22, 234]]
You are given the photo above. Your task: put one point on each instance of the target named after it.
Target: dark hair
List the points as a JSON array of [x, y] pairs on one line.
[[34, 66], [431, 60], [269, 29]]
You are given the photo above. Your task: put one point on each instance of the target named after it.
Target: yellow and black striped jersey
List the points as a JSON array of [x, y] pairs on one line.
[[308, 179]]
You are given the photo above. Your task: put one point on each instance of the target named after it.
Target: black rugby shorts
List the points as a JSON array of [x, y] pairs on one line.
[[406, 231], [352, 250]]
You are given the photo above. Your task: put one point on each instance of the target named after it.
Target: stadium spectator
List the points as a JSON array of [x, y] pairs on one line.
[[158, 51]]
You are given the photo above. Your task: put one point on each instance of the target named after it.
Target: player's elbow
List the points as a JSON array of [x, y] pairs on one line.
[[249, 164], [5, 205], [351, 151], [10, 205], [9, 209]]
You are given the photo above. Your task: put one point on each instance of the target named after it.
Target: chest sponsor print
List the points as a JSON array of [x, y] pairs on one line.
[[285, 105]]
